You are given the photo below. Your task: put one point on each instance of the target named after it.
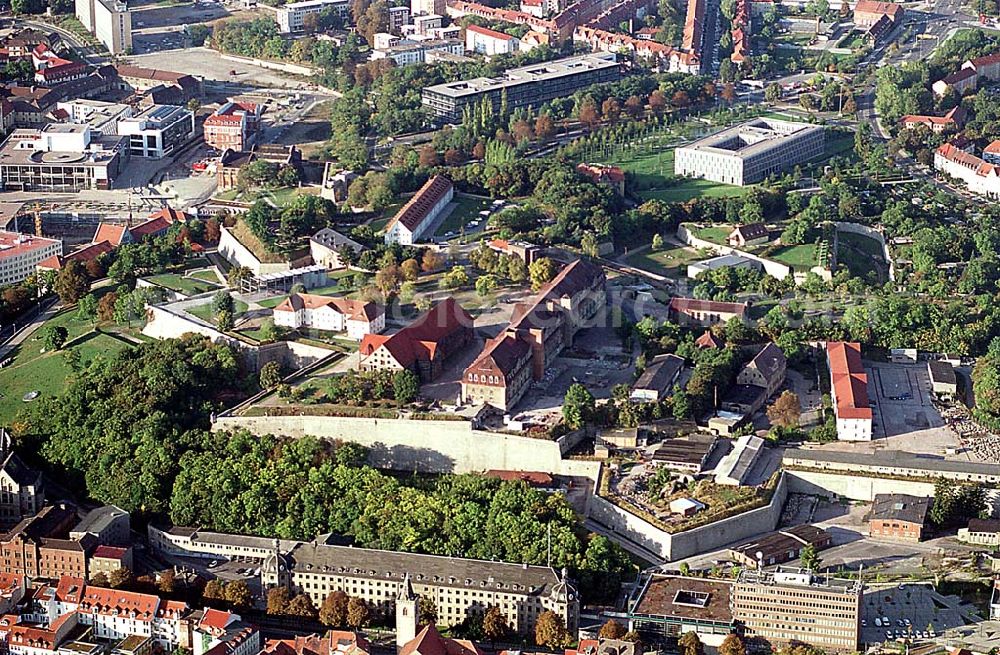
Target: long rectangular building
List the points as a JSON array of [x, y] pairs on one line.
[[291, 17], [457, 586], [747, 153], [890, 463], [528, 86], [849, 391], [791, 605]]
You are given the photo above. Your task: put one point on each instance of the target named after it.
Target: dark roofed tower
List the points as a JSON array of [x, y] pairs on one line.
[[407, 610]]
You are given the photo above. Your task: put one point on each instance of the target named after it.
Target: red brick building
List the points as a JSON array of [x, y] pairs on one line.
[[898, 516]]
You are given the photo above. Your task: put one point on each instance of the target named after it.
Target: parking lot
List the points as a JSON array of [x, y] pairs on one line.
[[210, 65], [913, 611]]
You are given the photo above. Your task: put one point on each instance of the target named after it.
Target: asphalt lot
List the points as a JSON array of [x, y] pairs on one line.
[[913, 610], [211, 65]]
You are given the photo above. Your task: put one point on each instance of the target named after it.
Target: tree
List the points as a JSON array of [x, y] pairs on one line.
[[86, 307], [494, 624], [657, 242], [728, 92], [786, 410], [732, 645], [634, 107], [486, 285], [106, 306], [224, 320], [544, 127], [657, 102], [589, 245], [428, 612], [388, 279], [358, 613], [612, 630], [167, 581], [431, 261], [270, 375], [54, 337], [578, 406], [238, 593], [277, 601], [214, 590], [809, 558], [690, 644], [333, 612], [429, 156], [405, 386], [99, 579], [72, 282], [120, 578], [550, 630], [773, 92], [302, 605], [410, 269], [611, 110], [541, 271], [588, 113]]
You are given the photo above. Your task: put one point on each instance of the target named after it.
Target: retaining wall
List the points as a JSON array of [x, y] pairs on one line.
[[284, 67], [856, 487], [871, 233], [416, 445], [238, 254], [706, 538]]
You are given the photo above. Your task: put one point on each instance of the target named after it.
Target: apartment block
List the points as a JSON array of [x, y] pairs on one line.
[[292, 16], [156, 132], [792, 605], [233, 125], [528, 86], [19, 255], [110, 21], [747, 153]]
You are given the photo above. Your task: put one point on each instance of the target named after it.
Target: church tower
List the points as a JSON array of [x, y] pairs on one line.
[[407, 609]]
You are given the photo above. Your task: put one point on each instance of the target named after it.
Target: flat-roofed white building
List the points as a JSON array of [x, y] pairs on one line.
[[291, 17], [747, 153], [20, 253], [157, 131], [109, 20]]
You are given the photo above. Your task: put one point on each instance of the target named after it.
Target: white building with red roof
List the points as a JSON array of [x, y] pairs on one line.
[[415, 217], [692, 311], [849, 391], [51, 69], [953, 120], [979, 175], [233, 125], [489, 42], [20, 254], [330, 314], [991, 153]]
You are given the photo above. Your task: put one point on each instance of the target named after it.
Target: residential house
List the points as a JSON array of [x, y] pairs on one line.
[[868, 12], [708, 341], [22, 491], [108, 559], [423, 345], [954, 120], [766, 369], [751, 234], [330, 314], [489, 42], [612, 176], [326, 247]]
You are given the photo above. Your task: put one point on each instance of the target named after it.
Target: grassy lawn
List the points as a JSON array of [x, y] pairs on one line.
[[690, 189], [801, 257], [189, 286], [467, 209], [671, 261], [279, 197], [204, 312], [715, 233], [47, 373], [207, 276], [862, 256]]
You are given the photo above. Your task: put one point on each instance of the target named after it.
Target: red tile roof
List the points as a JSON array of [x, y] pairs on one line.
[[890, 9], [355, 310], [416, 209], [850, 382], [709, 340], [993, 148], [488, 32], [986, 60], [151, 227], [215, 620], [14, 243], [419, 340], [110, 552], [430, 642], [69, 589], [113, 234], [114, 602]]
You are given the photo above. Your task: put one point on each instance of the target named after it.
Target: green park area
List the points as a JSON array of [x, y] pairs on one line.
[[800, 257], [280, 197], [205, 313], [861, 255], [671, 260], [714, 233], [189, 286], [32, 370], [653, 177]]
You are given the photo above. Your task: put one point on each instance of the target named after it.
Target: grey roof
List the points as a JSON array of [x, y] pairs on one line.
[[244, 540], [738, 462], [900, 507], [661, 373], [693, 449], [777, 544], [334, 240], [423, 569], [751, 138], [770, 361], [941, 372], [18, 471], [97, 520], [931, 464], [542, 72]]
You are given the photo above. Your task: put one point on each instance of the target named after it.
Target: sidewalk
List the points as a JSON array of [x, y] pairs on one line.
[[22, 335]]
